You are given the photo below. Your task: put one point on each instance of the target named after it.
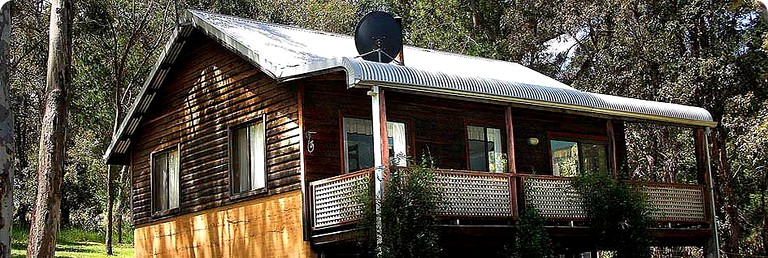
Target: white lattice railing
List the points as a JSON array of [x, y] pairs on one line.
[[335, 200], [555, 198], [476, 194], [677, 203]]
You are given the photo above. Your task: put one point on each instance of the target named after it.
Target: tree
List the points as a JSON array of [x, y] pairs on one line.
[[7, 151], [50, 173]]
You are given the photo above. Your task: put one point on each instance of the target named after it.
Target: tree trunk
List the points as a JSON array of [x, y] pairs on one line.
[[119, 225], [50, 172], [110, 207], [727, 197], [7, 150]]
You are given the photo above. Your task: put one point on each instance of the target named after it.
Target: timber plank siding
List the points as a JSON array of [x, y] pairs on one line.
[[209, 90]]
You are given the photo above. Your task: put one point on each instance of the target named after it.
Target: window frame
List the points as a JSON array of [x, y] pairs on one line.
[[153, 192], [233, 175], [503, 140], [579, 139], [407, 136]]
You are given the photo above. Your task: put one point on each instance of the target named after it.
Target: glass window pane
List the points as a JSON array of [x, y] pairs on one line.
[[173, 179], [241, 164], [359, 152], [359, 143], [478, 156], [397, 145], [565, 158], [258, 156], [159, 180], [594, 157], [496, 162], [475, 133]]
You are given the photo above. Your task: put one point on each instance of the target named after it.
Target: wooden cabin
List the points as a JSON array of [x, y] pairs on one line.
[[248, 139]]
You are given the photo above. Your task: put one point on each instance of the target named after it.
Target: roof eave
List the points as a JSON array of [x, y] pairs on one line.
[[120, 141], [543, 104]]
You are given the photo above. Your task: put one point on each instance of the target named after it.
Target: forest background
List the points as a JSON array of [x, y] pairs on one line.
[[707, 53]]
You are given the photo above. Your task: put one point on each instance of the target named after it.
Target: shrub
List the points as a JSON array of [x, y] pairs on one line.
[[408, 209], [617, 215], [532, 239]]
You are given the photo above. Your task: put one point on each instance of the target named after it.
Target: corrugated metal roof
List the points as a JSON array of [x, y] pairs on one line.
[[286, 53]]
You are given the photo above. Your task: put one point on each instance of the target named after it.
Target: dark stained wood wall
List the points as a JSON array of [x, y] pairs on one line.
[[436, 126], [537, 124], [325, 103], [208, 90], [439, 125]]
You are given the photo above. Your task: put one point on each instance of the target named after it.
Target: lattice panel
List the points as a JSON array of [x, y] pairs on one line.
[[671, 203], [335, 200], [554, 198], [474, 195]]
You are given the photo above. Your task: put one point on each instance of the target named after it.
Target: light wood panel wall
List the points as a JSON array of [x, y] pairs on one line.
[[266, 227]]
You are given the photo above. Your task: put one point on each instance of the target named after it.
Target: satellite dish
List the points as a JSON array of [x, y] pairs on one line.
[[378, 37]]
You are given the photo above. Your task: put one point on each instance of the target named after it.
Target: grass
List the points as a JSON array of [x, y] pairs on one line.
[[70, 243]]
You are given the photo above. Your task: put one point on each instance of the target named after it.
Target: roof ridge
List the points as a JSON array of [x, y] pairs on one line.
[[280, 25]]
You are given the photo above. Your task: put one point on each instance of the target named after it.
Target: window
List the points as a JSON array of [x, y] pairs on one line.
[[484, 146], [358, 147], [570, 157], [165, 180], [248, 157]]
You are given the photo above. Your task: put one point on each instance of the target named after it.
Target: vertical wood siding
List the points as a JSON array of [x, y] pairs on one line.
[[209, 90]]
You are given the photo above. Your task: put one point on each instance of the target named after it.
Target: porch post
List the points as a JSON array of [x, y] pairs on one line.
[[613, 165], [699, 139], [380, 152], [511, 167], [714, 245]]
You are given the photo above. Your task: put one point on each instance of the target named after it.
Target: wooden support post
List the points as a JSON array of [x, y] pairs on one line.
[[614, 160], [714, 245], [701, 155], [380, 152], [511, 165]]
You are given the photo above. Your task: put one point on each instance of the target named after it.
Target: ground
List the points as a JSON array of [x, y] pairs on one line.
[[71, 243]]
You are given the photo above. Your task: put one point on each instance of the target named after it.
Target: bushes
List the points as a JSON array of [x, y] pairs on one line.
[[532, 239], [408, 210], [617, 214]]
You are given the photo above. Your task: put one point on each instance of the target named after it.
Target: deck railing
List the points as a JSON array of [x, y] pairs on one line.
[[335, 200], [482, 195], [467, 194], [556, 199]]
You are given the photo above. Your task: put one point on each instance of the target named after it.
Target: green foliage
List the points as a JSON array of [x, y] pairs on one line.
[[70, 243], [532, 239], [617, 214], [408, 209], [408, 213]]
